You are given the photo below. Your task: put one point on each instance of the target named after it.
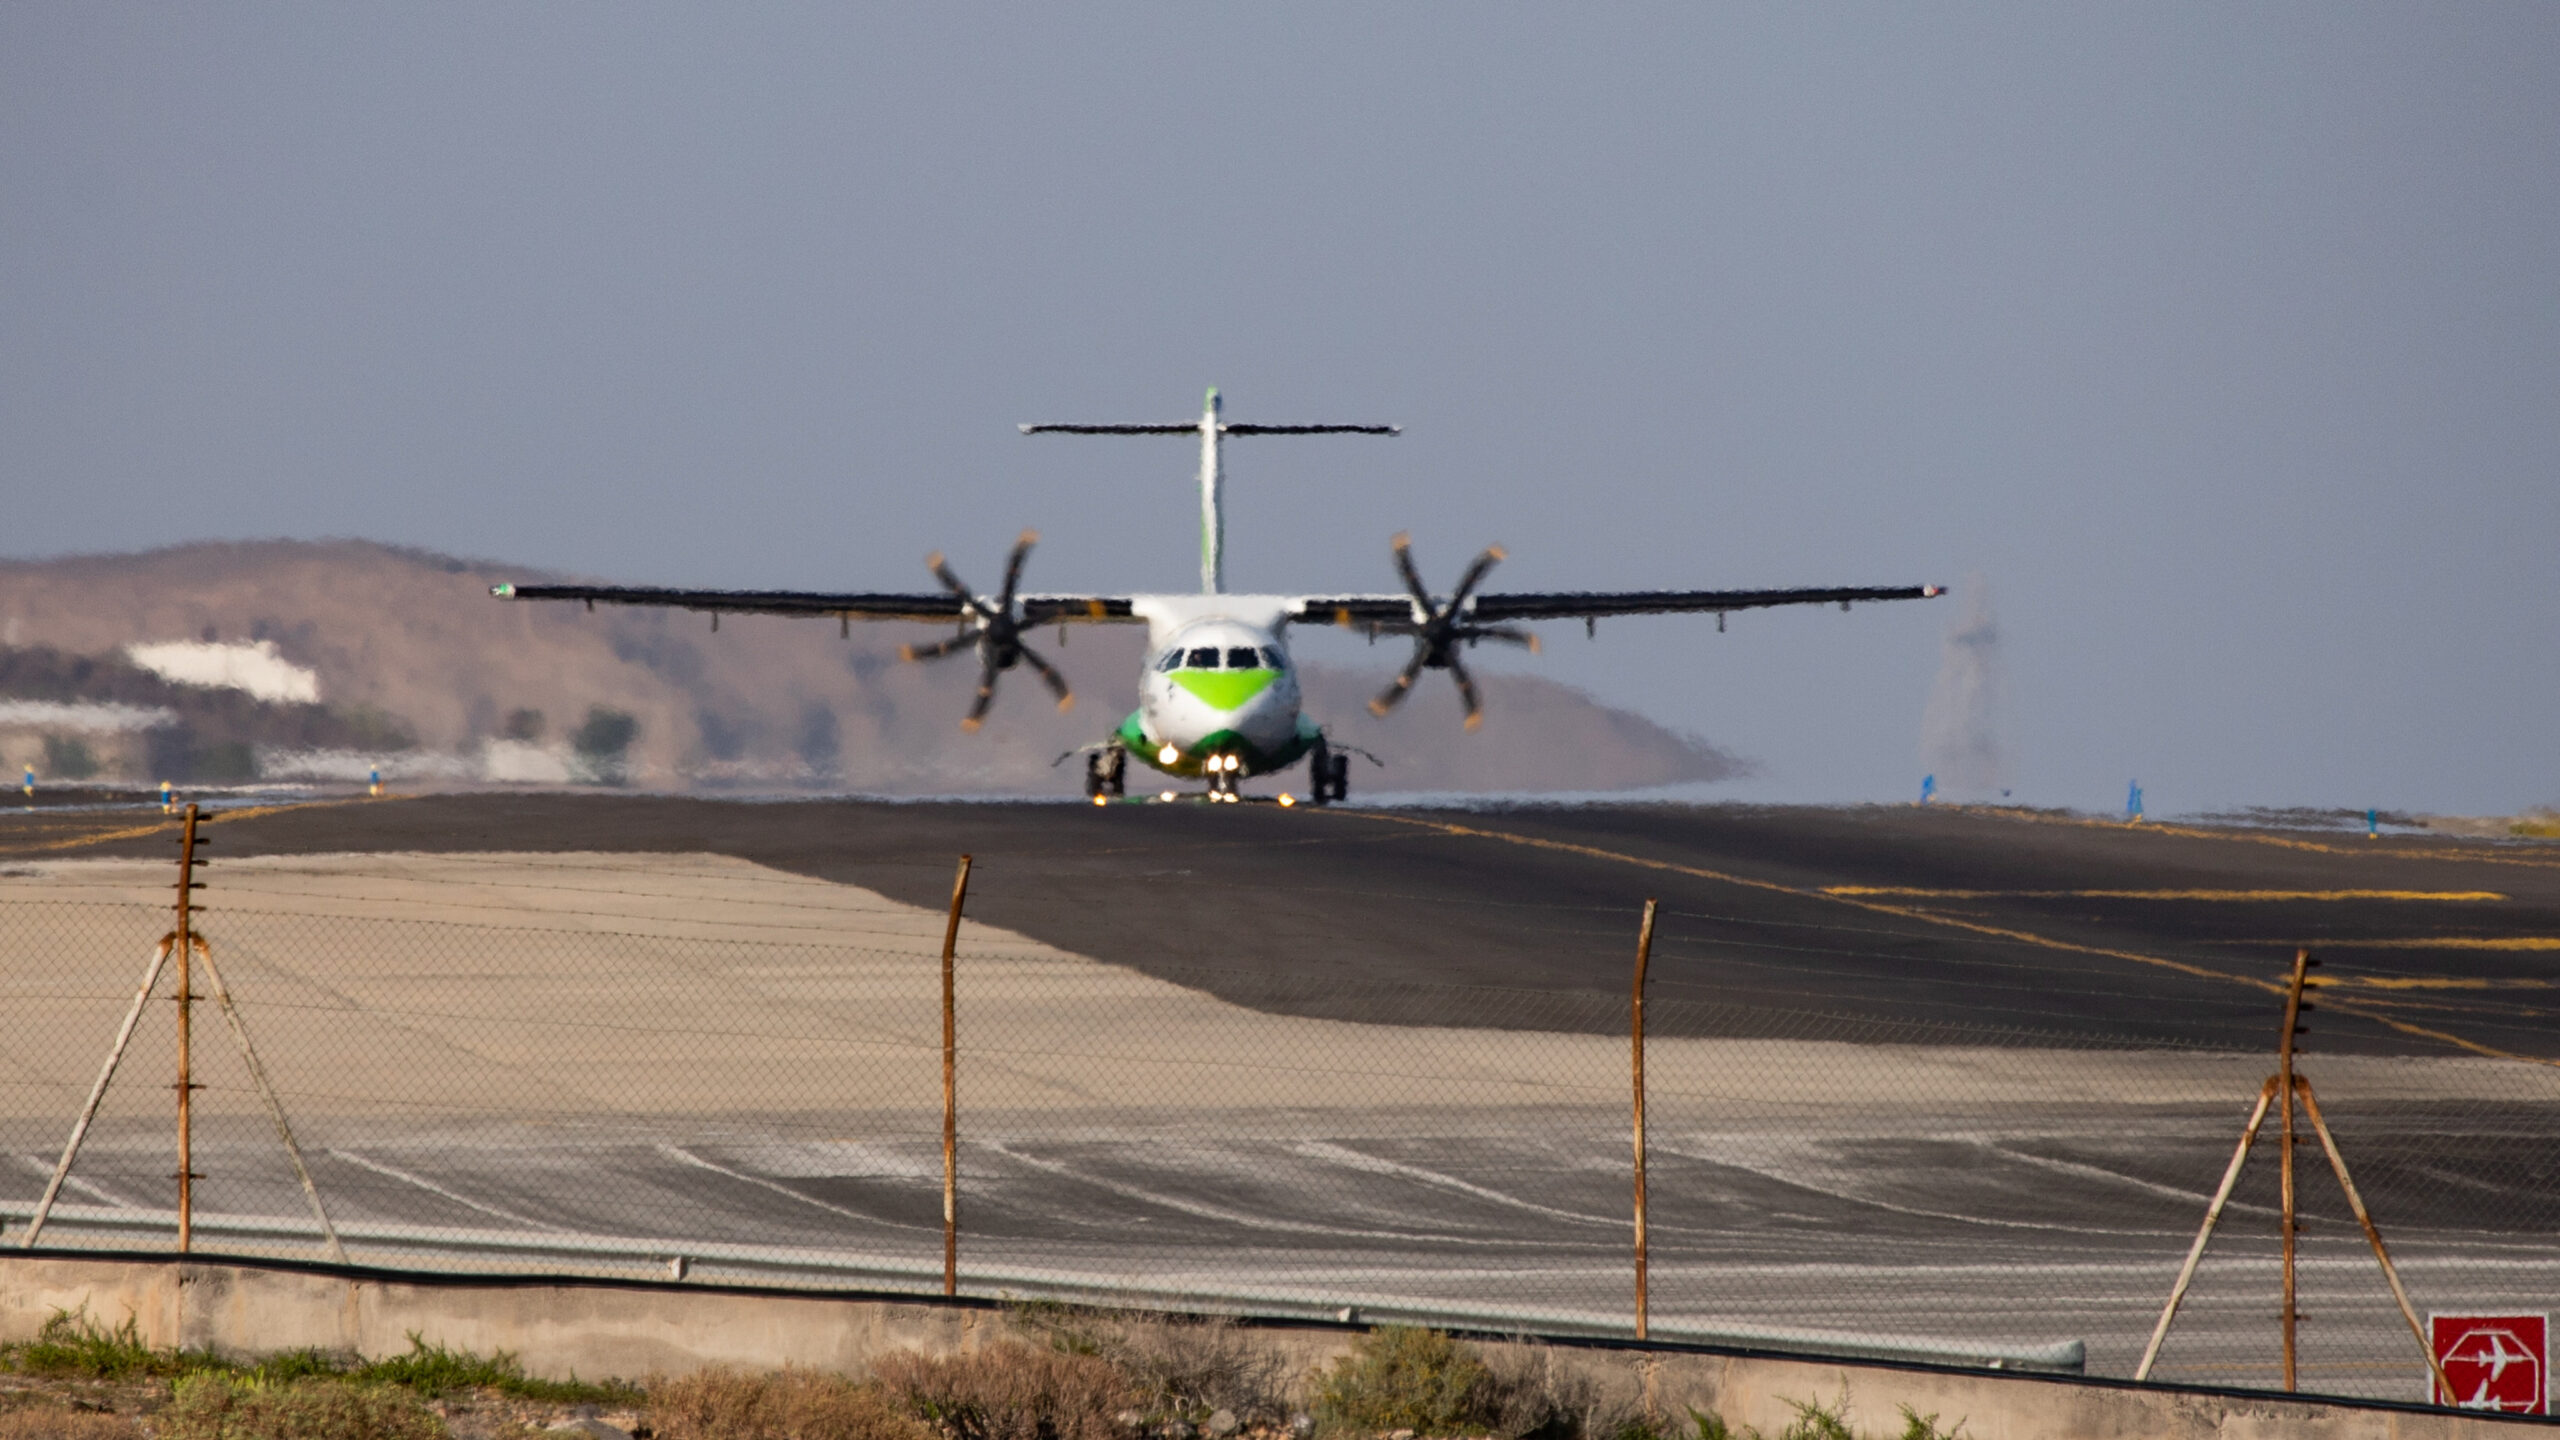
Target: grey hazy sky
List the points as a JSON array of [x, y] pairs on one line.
[[2222, 339]]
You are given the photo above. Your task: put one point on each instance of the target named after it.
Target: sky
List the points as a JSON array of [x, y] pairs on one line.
[[2219, 345]]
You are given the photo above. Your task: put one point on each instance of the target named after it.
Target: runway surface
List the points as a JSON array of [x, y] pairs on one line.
[[1937, 923], [1919, 1078]]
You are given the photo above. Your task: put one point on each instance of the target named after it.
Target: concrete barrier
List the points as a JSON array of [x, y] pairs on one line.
[[598, 1329]]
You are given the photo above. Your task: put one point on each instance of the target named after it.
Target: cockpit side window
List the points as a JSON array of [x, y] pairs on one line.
[[1172, 660], [1242, 657], [1203, 658], [1271, 658]]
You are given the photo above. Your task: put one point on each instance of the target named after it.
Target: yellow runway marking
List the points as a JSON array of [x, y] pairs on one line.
[[1932, 917], [2449, 942], [2238, 896], [171, 824], [2427, 982], [2370, 849]]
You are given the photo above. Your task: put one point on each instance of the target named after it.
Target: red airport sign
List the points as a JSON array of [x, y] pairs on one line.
[[2494, 1362]]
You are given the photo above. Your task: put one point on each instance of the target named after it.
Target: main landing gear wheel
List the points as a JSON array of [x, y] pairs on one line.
[[1328, 775], [1106, 773]]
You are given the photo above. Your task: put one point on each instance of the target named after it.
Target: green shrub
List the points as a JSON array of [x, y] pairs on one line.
[[1011, 1392], [1401, 1378], [70, 1343], [68, 757], [434, 1370], [1916, 1426], [233, 760], [224, 1407], [602, 741], [721, 1404], [1817, 1421], [1709, 1427]]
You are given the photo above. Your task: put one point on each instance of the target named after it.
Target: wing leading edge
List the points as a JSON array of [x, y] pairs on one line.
[[937, 609], [1390, 610]]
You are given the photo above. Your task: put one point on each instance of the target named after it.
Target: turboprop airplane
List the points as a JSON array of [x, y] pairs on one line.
[[1218, 700]]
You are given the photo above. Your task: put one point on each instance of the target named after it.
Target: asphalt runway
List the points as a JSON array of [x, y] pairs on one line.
[[2024, 1046], [1934, 924]]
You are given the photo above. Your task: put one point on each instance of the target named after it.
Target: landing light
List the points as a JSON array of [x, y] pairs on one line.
[[1166, 797], [1168, 755], [1098, 800], [1287, 799]]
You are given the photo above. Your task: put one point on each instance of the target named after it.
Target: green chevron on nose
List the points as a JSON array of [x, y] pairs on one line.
[[1225, 689]]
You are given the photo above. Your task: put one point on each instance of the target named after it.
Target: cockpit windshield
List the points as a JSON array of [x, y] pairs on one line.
[[1172, 661], [1243, 657], [1271, 658], [1203, 658]]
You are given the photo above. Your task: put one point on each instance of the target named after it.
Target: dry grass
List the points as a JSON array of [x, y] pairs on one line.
[[721, 1404], [54, 1422], [215, 1407], [1012, 1392], [1177, 1369]]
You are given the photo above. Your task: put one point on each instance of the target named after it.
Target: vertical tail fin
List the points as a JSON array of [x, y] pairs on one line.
[[1213, 498]]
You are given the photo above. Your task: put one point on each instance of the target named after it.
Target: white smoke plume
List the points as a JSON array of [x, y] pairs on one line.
[[1960, 732]]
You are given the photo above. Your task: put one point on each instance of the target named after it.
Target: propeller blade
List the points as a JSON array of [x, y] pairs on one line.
[[1403, 546], [977, 715], [953, 583], [1467, 692], [1057, 683], [1013, 567], [1389, 697], [936, 650], [1492, 556]]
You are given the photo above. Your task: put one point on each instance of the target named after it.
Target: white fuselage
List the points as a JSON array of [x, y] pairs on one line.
[[1219, 681]]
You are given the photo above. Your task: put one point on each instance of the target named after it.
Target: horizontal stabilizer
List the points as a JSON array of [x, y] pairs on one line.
[[1194, 428], [1313, 429]]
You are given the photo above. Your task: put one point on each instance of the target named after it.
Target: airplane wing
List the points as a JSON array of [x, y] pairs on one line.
[[1389, 611], [932, 608]]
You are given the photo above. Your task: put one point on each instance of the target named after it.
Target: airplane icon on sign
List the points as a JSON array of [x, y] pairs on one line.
[[2481, 1360]]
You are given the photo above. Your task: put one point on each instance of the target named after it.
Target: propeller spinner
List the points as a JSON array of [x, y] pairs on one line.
[[994, 631], [1442, 629]]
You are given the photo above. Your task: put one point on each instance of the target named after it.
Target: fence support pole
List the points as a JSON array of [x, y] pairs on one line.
[[186, 1016], [1635, 1030], [2284, 1058], [2212, 1213], [950, 1092], [98, 1092], [275, 1107], [2390, 1272]]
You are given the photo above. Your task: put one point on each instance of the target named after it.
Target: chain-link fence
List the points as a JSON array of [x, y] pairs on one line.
[[694, 1066]]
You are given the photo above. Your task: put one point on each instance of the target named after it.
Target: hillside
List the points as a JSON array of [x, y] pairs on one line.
[[409, 646]]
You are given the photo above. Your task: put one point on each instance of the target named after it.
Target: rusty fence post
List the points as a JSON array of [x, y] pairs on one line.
[[1635, 1030], [950, 1092], [2284, 1059], [187, 886]]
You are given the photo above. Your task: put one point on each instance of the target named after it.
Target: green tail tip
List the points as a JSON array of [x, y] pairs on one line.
[[1213, 397]]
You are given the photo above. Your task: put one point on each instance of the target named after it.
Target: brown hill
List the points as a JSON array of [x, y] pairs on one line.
[[410, 644]]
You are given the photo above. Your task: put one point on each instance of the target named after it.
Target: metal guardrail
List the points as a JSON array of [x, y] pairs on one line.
[[646, 1257]]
